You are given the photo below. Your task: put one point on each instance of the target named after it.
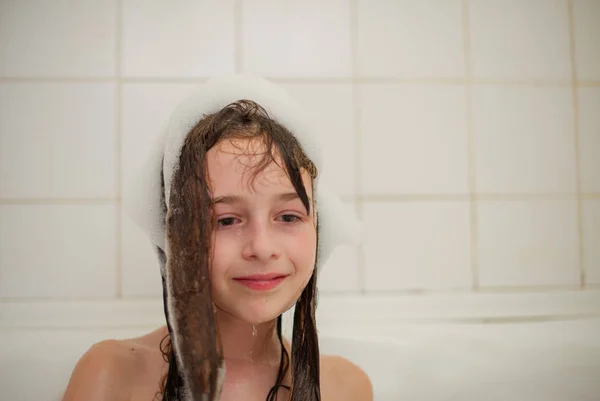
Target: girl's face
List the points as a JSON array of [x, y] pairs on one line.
[[264, 242]]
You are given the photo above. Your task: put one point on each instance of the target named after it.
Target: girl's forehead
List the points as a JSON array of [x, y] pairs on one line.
[[235, 167], [238, 164], [241, 153]]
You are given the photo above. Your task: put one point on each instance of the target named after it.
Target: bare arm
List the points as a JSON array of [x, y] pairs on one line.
[[99, 375]]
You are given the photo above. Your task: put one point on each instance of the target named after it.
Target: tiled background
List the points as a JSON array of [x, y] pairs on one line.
[[465, 134]]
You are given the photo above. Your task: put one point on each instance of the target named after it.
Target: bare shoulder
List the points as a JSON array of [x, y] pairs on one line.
[[109, 370], [343, 380], [100, 373]]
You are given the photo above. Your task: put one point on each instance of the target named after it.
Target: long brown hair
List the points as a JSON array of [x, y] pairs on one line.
[[189, 224]]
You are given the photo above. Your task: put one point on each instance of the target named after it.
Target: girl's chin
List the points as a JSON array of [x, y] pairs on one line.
[[257, 310], [260, 312], [258, 317]]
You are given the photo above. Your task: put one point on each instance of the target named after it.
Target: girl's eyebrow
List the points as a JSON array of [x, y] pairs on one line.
[[289, 196], [227, 200], [236, 199]]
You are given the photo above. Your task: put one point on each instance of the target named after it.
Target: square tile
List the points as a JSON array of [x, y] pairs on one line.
[[524, 140], [184, 38], [140, 270], [589, 139], [296, 39], [413, 139], [528, 243], [591, 241], [586, 14], [61, 251], [417, 245], [331, 107], [57, 140], [145, 113], [341, 271], [58, 39], [517, 39], [408, 39]]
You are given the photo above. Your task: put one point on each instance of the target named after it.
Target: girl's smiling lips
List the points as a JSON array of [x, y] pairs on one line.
[[261, 282]]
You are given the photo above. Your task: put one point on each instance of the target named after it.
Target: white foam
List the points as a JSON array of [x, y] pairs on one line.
[[338, 224]]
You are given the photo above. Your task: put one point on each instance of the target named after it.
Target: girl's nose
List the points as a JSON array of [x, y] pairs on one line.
[[261, 244]]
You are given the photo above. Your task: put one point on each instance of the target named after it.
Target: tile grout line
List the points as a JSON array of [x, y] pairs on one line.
[[57, 201], [575, 95], [118, 154], [360, 251], [383, 197], [237, 36], [310, 80], [474, 254]]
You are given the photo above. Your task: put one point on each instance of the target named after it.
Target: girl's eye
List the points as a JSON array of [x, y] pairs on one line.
[[226, 222], [290, 218]]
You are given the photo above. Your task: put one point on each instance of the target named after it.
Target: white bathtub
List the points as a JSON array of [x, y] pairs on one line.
[[552, 361], [442, 363]]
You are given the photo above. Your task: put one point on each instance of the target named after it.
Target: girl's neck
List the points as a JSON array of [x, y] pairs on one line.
[[246, 342]]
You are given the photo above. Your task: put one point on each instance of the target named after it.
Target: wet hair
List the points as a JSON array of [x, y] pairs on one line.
[[190, 222]]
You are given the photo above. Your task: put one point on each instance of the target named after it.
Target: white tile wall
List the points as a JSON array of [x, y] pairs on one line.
[[409, 39], [591, 240], [296, 39], [57, 140], [331, 106], [140, 271], [528, 243], [58, 39], [524, 139], [589, 139], [145, 110], [57, 251], [413, 139], [520, 39], [417, 245], [84, 84], [182, 38], [586, 14]]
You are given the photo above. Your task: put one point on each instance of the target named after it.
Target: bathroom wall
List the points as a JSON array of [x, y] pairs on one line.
[[464, 134]]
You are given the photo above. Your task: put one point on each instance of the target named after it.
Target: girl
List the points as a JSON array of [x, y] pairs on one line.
[[241, 224]]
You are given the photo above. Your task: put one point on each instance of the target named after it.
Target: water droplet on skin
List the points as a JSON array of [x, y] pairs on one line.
[[254, 331]]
